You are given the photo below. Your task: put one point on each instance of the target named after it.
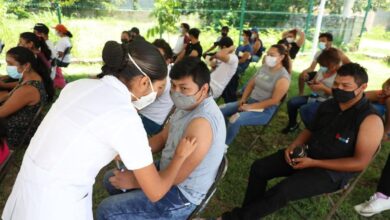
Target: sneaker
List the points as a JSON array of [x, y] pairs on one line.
[[290, 128], [375, 205]]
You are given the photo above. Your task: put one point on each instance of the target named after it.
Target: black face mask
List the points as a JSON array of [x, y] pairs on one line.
[[342, 96], [224, 34]]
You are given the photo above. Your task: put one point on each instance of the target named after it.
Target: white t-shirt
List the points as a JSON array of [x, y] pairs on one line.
[[90, 123], [51, 47], [160, 108], [62, 44], [221, 76], [179, 45]]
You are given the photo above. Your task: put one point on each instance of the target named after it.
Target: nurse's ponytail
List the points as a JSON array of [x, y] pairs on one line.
[[117, 61]]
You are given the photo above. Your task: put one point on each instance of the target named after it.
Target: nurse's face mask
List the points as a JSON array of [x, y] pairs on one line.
[[143, 101]]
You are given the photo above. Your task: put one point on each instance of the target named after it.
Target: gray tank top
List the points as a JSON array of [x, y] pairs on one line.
[[265, 82], [195, 187]]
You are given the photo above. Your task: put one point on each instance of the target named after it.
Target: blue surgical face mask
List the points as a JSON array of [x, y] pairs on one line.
[[321, 45], [182, 101], [241, 38], [323, 69], [13, 72]]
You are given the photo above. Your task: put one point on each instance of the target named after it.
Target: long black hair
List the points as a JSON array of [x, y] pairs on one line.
[[283, 51], [38, 42], [117, 61], [23, 55]]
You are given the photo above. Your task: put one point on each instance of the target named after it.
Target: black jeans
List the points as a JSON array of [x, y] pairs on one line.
[[299, 184], [229, 94], [384, 181]]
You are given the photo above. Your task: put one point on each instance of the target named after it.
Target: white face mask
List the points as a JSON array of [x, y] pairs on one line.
[[290, 40], [270, 61], [146, 100]]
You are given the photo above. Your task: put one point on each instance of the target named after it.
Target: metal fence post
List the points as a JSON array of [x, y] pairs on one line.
[[243, 6], [308, 21], [368, 8], [58, 9]]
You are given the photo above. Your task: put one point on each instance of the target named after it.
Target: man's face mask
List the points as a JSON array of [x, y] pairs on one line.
[[182, 101], [342, 96]]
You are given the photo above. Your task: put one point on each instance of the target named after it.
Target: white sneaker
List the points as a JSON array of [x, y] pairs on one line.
[[374, 206]]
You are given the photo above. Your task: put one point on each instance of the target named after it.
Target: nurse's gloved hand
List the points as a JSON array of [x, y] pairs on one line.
[[124, 180], [185, 147]]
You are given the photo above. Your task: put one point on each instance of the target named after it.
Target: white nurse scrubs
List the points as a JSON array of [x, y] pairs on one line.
[[90, 123]]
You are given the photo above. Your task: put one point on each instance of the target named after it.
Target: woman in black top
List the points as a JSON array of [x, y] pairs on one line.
[[295, 44]]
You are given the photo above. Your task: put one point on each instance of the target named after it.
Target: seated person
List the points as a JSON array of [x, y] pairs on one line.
[[337, 150], [42, 31], [193, 49], [262, 95], [125, 37], [294, 44], [153, 116], [227, 63], [243, 52], [380, 201], [381, 102], [135, 34], [321, 87], [224, 33], [34, 89], [325, 41], [40, 49], [197, 115], [257, 45], [182, 40]]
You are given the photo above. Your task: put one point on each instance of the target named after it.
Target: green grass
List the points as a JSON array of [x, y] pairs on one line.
[[90, 35], [231, 190]]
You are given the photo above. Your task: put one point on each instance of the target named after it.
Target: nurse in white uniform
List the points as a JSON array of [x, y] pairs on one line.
[[91, 122]]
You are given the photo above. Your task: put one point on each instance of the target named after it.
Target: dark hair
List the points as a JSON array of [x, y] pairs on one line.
[[162, 44], [358, 72], [284, 42], [126, 32], [386, 83], [185, 26], [225, 42], [117, 61], [3, 128], [225, 28], [330, 56], [68, 34], [293, 31], [193, 67], [194, 32], [283, 51], [23, 55], [135, 30], [327, 35], [248, 33], [41, 28], [38, 43]]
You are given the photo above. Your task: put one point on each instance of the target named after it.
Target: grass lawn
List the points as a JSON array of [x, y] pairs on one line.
[[231, 190]]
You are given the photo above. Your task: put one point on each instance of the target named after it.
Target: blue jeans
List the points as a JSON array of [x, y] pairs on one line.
[[246, 118], [307, 110], [380, 108], [150, 126], [136, 206]]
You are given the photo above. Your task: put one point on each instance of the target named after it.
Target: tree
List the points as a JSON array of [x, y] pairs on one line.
[[167, 14]]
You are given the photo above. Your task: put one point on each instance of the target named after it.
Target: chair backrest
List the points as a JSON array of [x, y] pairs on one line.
[[284, 98], [351, 184], [213, 188], [23, 139]]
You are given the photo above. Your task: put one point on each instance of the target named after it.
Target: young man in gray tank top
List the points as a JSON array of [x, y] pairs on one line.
[[197, 115]]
